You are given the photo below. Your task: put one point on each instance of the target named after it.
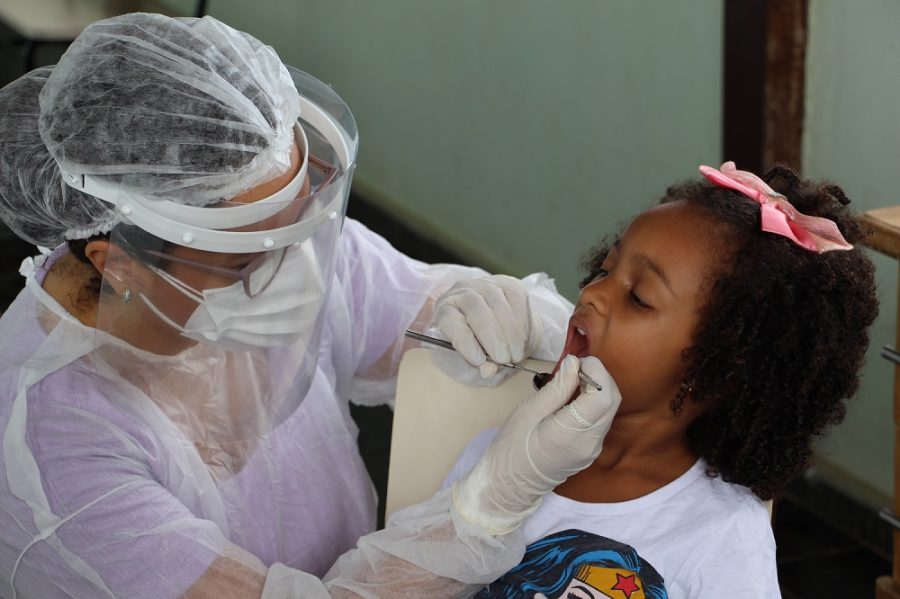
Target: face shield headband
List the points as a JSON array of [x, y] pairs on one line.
[[203, 228]]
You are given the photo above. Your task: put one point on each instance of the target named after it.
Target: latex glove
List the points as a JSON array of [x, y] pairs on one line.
[[543, 442], [488, 318]]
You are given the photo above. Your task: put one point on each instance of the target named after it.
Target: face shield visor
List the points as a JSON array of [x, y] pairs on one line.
[[213, 314]]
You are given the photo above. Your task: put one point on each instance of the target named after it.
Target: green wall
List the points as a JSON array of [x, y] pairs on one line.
[[852, 135], [519, 132], [516, 132]]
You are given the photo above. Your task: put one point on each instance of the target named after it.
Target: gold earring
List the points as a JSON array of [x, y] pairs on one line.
[[678, 402]]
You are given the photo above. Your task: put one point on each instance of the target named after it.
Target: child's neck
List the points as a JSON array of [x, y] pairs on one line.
[[638, 457]]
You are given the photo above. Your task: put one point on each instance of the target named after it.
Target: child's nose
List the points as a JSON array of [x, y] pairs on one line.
[[596, 295]]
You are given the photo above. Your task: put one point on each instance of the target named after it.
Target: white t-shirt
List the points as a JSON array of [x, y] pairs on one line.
[[698, 536]]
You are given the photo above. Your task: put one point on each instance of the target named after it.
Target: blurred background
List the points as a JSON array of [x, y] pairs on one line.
[[513, 134]]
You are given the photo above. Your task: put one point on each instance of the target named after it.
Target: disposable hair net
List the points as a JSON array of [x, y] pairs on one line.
[[188, 110], [34, 202]]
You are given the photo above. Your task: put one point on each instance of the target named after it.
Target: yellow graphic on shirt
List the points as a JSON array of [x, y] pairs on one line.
[[612, 582]]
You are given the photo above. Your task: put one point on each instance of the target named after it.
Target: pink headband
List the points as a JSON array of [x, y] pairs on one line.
[[814, 233]]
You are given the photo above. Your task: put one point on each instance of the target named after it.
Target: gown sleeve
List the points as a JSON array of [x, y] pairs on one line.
[[104, 526], [92, 518], [387, 292]]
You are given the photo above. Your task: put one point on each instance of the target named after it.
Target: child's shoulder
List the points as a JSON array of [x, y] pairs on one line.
[[718, 495], [731, 510]]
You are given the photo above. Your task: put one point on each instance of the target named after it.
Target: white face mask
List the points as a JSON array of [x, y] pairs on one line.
[[280, 315]]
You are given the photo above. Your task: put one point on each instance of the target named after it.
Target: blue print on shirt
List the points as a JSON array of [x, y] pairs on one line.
[[574, 564]]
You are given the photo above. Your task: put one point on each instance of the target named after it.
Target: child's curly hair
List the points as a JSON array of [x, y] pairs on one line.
[[782, 335]]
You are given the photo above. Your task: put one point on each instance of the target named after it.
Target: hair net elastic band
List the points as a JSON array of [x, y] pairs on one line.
[[88, 232]]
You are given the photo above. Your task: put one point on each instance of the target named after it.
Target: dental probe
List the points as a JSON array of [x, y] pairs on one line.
[[540, 378]]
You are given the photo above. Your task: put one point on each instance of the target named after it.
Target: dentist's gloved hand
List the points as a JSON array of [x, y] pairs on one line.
[[488, 318], [543, 442]]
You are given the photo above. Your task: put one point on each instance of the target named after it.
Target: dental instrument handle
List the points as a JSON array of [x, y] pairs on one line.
[[429, 339], [447, 345], [589, 381]]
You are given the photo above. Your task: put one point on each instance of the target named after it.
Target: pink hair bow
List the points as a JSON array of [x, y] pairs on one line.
[[814, 233]]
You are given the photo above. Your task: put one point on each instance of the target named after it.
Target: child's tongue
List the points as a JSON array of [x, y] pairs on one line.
[[576, 345]]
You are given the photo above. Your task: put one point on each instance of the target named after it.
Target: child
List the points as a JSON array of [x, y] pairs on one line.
[[735, 329]]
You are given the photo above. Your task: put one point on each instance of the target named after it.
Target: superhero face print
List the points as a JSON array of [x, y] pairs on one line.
[[574, 564]]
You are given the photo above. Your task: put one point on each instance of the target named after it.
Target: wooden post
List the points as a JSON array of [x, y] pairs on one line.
[[888, 587], [764, 58], [885, 225]]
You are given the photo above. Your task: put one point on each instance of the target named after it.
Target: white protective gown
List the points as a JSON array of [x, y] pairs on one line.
[[104, 496]]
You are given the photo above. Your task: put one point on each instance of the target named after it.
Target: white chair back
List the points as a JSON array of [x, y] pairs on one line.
[[435, 417]]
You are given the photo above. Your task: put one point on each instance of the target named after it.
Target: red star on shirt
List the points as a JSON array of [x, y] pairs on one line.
[[625, 584]]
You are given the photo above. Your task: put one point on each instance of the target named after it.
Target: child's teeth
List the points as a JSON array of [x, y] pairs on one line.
[[580, 331]]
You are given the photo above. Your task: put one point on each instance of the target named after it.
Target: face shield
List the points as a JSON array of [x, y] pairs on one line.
[[213, 314]]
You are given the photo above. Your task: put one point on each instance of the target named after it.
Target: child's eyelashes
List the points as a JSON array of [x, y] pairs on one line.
[[637, 301], [601, 273]]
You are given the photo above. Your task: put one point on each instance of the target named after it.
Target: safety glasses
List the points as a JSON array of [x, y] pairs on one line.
[[257, 274]]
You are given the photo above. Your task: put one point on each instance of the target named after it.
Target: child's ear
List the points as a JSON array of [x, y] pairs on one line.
[[118, 268]]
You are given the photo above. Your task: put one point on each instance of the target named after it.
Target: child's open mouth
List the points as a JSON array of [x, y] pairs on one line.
[[577, 344]]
